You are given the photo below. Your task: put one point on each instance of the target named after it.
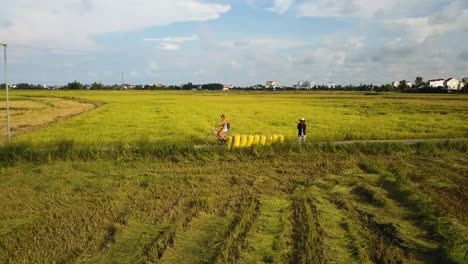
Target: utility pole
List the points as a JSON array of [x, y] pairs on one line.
[[6, 88]]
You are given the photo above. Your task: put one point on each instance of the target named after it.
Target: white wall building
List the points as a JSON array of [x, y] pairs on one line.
[[464, 82], [304, 85], [436, 83], [227, 87], [397, 83], [452, 84], [270, 84]]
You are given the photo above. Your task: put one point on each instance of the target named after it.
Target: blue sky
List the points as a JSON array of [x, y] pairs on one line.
[[240, 42]]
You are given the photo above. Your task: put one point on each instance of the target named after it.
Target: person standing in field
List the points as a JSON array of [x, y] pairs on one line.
[[223, 128], [301, 127]]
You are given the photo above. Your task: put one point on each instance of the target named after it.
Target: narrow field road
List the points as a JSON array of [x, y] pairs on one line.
[[376, 141], [404, 141]]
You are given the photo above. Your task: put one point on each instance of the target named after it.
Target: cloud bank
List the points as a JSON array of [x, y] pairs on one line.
[[74, 23], [172, 43]]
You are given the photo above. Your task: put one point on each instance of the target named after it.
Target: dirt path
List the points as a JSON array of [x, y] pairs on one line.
[[375, 141], [404, 141]]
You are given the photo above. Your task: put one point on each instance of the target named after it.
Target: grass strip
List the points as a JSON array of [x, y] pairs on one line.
[[235, 238], [454, 246], [69, 150]]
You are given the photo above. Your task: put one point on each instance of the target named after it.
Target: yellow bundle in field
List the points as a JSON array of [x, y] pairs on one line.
[[245, 141], [250, 140], [236, 141], [256, 140], [274, 139], [229, 142], [281, 139]]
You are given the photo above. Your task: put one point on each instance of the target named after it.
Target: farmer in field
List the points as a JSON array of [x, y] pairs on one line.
[[223, 128], [301, 127]]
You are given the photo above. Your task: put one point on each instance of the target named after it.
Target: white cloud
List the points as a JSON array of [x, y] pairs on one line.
[[172, 43], [74, 23], [345, 8], [277, 6], [169, 46], [152, 69], [236, 65], [420, 28], [373, 9], [174, 39], [281, 6]]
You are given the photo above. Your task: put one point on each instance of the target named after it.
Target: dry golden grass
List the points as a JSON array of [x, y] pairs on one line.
[[27, 114]]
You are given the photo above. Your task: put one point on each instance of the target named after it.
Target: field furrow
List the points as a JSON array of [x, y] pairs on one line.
[[200, 242], [281, 204], [307, 231], [338, 243], [234, 239], [270, 235]]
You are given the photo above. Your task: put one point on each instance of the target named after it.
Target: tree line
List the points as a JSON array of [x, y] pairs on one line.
[[420, 86]]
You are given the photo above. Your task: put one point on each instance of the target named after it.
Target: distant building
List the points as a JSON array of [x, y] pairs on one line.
[[436, 83], [396, 84], [331, 85], [227, 87], [304, 85], [464, 82], [270, 84], [452, 84]]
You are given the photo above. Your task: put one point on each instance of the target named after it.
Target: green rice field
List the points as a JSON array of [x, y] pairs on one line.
[[120, 177], [186, 117]]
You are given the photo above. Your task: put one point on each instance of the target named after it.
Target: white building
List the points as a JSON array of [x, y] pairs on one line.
[[397, 83], [436, 83], [270, 84], [464, 82], [227, 87], [306, 85], [452, 84], [331, 85]]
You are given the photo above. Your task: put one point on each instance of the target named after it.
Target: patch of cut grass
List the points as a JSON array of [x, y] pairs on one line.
[[266, 241], [337, 242], [128, 244], [199, 243], [14, 225]]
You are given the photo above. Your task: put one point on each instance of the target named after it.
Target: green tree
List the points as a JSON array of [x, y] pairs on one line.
[[97, 86], [418, 82], [388, 88], [75, 86], [23, 86], [213, 86], [188, 86], [403, 86]]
